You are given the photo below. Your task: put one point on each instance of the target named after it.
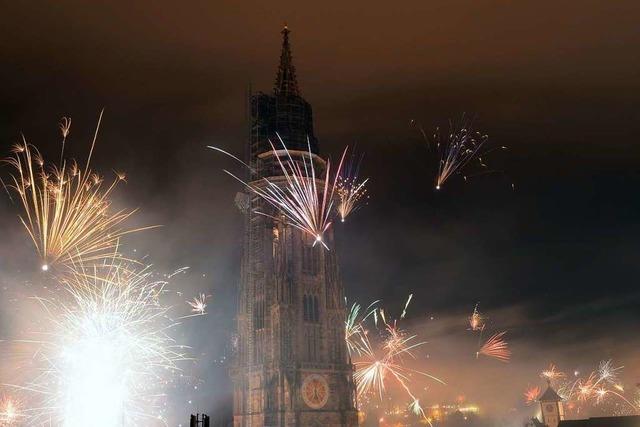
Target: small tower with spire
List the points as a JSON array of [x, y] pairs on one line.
[[551, 407]]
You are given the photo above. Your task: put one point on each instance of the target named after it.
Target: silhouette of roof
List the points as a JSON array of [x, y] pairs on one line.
[[549, 395], [631, 421]]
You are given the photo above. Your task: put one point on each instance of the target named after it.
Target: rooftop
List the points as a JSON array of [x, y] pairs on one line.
[[631, 421]]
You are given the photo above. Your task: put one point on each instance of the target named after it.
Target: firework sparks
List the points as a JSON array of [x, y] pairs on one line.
[[10, 413], [108, 351], [551, 373], [594, 388], [351, 190], [406, 305], [305, 200], [531, 395], [586, 387], [372, 371], [355, 332], [199, 304], [387, 362], [495, 347], [607, 372], [462, 145], [600, 393], [65, 128], [417, 410], [66, 210], [476, 320]]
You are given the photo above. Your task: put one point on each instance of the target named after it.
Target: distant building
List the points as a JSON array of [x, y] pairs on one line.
[[631, 421], [444, 411], [533, 422], [551, 409], [553, 415]]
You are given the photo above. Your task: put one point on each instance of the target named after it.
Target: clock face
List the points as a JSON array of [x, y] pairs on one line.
[[549, 407], [315, 391]]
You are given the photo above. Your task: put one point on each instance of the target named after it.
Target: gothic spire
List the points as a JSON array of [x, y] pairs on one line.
[[286, 82]]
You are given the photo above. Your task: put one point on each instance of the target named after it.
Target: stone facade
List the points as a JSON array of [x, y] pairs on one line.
[[292, 367]]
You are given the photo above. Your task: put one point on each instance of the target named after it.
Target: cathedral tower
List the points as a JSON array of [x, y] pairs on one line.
[[292, 367]]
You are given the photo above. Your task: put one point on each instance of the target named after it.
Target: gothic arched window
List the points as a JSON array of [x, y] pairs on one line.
[[258, 314], [311, 308], [310, 258], [316, 310]]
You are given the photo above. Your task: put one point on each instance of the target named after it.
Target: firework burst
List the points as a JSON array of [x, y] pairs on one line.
[[495, 347], [531, 395], [597, 388], [66, 210], [10, 411], [607, 372], [108, 350], [386, 363], [355, 331], [300, 195], [199, 304], [351, 190], [551, 373], [461, 146], [476, 320]]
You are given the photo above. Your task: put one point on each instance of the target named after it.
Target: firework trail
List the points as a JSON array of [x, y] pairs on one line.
[[65, 128], [355, 332], [551, 373], [108, 350], [302, 197], [586, 387], [406, 305], [593, 388], [350, 189], [373, 370], [416, 409], [531, 395], [607, 372], [199, 304], [387, 362], [10, 412], [66, 209], [455, 151], [476, 320], [495, 347]]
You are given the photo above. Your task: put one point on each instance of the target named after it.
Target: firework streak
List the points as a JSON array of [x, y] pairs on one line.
[[386, 362], [351, 190], [303, 198], [106, 351], [66, 209], [495, 347], [596, 388]]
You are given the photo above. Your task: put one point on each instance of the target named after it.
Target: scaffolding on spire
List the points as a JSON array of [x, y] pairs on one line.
[[283, 112]]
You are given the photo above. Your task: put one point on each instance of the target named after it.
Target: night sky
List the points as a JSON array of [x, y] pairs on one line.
[[554, 262]]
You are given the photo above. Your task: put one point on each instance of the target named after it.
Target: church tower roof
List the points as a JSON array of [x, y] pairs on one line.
[[286, 81], [550, 395]]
